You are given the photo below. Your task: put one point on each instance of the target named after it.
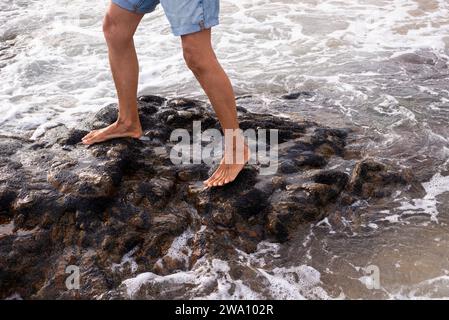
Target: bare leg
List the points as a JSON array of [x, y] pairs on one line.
[[200, 58], [119, 27]]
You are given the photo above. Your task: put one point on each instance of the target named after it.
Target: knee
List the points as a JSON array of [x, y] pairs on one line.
[[196, 60], [113, 33]]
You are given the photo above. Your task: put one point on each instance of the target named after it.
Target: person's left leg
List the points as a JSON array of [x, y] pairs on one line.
[[201, 60]]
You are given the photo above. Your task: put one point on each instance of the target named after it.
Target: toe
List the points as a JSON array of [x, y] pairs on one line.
[[90, 140], [230, 176], [211, 177], [218, 178], [218, 181], [214, 176], [228, 179], [87, 142], [208, 181], [216, 173], [87, 136]]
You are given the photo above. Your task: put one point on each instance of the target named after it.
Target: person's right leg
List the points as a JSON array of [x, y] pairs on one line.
[[119, 27]]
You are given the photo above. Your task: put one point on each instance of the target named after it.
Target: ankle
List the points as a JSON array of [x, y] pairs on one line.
[[234, 138], [127, 123]]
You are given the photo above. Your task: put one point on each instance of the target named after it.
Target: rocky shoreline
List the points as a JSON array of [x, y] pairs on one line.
[[62, 203]]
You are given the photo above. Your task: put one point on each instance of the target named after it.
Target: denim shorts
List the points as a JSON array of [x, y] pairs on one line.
[[184, 16]]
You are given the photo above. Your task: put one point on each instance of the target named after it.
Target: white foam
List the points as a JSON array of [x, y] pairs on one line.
[[127, 261], [179, 248], [325, 222], [433, 288], [14, 296], [61, 69], [295, 282], [436, 186], [291, 283], [7, 228]]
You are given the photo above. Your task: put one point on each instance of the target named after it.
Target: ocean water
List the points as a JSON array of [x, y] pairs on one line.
[[380, 66]]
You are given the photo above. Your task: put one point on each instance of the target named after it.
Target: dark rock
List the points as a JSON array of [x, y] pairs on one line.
[[7, 196], [115, 208], [152, 99], [296, 95], [9, 146], [373, 179], [414, 58], [329, 141], [74, 136], [288, 166], [332, 177]]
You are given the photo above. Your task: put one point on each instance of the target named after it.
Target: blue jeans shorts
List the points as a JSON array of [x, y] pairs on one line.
[[184, 16]]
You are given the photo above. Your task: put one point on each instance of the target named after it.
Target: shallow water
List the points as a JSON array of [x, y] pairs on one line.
[[380, 66]]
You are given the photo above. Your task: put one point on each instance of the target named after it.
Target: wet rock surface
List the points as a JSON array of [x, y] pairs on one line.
[[114, 209]]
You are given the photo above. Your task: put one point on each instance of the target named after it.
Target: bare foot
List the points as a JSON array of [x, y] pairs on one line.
[[115, 130], [227, 172]]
